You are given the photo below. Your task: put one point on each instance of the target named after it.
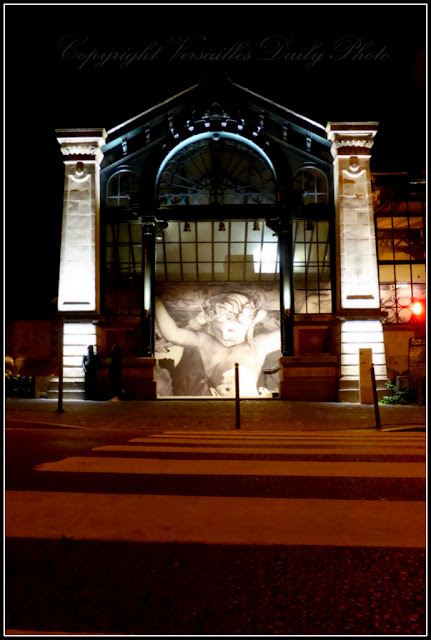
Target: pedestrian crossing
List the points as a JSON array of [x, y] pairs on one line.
[[236, 487], [274, 443]]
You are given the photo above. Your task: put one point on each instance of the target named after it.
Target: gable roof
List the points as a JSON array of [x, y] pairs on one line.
[[221, 102]]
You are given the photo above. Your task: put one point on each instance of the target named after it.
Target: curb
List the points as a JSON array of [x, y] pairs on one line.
[[32, 424], [404, 427]]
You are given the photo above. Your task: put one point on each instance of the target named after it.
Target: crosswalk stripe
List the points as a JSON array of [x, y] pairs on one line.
[[234, 467], [215, 520], [285, 438], [240, 433], [281, 440], [284, 449], [284, 443]]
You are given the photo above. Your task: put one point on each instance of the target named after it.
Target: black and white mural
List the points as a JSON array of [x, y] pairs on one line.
[[202, 332]]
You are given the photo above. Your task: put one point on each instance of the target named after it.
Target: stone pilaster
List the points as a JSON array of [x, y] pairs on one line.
[[357, 276], [312, 378], [79, 258], [358, 300]]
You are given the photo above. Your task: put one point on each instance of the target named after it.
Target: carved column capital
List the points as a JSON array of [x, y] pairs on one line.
[[81, 145], [351, 138], [280, 225]]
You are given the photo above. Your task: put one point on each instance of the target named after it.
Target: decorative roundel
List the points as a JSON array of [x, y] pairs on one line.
[[79, 169], [216, 170], [354, 164]]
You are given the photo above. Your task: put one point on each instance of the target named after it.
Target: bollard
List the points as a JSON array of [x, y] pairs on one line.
[[237, 414], [375, 397], [60, 370], [421, 392]]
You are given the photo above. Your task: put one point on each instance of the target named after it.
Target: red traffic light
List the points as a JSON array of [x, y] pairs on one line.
[[417, 308]]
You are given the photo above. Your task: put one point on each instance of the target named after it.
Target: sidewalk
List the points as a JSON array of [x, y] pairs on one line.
[[210, 414]]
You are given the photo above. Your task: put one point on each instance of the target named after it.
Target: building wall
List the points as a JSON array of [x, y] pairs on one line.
[[336, 338]]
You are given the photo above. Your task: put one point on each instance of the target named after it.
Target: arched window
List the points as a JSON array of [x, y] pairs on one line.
[[310, 187], [216, 168], [121, 188]]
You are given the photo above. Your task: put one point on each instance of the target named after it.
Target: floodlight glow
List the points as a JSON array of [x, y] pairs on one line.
[[362, 334], [417, 308], [353, 176], [264, 258], [81, 328]]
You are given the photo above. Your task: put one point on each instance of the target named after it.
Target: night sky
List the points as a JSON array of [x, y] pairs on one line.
[[325, 62]]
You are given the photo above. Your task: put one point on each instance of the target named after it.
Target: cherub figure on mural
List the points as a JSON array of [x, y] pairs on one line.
[[223, 334]]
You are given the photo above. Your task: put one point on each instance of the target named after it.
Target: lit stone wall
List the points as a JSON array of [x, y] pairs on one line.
[[357, 270], [358, 281], [76, 338], [397, 342], [362, 334], [79, 257]]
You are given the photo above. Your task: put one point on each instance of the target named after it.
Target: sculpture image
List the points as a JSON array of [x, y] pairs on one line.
[[223, 333]]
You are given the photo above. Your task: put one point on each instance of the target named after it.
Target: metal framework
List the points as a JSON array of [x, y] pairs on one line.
[[401, 258], [242, 231], [216, 171], [231, 251]]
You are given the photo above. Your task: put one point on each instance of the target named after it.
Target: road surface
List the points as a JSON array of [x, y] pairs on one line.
[[225, 532]]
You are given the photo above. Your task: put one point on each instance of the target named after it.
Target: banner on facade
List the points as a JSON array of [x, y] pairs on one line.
[[201, 332]]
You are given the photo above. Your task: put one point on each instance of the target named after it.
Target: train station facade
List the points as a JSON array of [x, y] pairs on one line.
[[218, 228]]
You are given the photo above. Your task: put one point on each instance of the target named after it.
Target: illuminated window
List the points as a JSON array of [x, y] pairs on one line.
[[121, 188], [243, 251], [311, 266], [401, 257]]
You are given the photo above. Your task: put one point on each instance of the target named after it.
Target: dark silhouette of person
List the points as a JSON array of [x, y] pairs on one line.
[[115, 372], [90, 364]]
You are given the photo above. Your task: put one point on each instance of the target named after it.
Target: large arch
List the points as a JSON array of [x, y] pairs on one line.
[[216, 168]]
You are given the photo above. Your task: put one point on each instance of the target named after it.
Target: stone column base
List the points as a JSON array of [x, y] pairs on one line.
[[311, 378], [349, 389], [137, 378]]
